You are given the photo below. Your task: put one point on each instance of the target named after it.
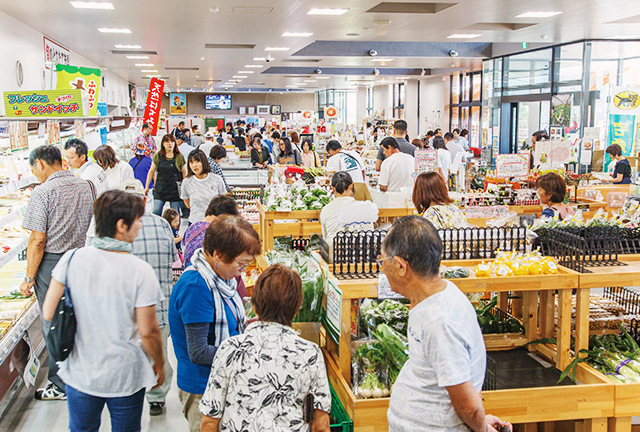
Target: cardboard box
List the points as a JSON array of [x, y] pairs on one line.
[[308, 331]]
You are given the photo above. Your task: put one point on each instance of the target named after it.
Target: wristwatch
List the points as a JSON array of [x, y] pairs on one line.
[[27, 280]]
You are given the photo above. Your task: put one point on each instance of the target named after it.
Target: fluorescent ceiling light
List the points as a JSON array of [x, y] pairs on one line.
[[293, 34], [91, 5], [382, 59], [149, 70], [253, 66], [246, 72], [623, 37], [144, 64], [292, 85], [463, 36], [114, 30], [309, 81], [239, 76], [316, 11], [154, 76], [277, 49], [323, 77], [538, 14], [259, 59], [138, 57], [128, 46]]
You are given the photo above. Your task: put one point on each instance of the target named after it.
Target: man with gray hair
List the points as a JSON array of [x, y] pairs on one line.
[[439, 387], [58, 215], [155, 245]]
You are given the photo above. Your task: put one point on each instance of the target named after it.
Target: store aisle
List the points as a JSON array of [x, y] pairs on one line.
[[53, 416]]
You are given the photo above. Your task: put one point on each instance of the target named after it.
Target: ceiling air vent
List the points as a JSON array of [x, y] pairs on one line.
[[182, 68], [410, 8], [135, 52], [230, 46]]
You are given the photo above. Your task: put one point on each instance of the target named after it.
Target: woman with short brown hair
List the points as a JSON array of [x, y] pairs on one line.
[[260, 379], [431, 198], [205, 308], [552, 190], [117, 171]]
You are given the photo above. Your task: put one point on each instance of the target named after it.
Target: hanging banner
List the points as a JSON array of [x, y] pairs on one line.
[[87, 80], [625, 100], [512, 165], [79, 127], [426, 160], [18, 135], [54, 53], [178, 103], [152, 107], [44, 103], [622, 131]]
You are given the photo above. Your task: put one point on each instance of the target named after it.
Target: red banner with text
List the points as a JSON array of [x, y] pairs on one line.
[[154, 100]]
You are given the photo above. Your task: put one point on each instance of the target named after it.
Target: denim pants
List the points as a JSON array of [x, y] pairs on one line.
[[158, 205], [85, 411]]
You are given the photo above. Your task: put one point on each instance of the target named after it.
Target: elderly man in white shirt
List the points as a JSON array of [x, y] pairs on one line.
[[76, 155]]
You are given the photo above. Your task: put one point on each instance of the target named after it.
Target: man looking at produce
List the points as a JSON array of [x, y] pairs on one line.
[[399, 133], [350, 162], [58, 216], [439, 387], [76, 154], [397, 169], [155, 245]]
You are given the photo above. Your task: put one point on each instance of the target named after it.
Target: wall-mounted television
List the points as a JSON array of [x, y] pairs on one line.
[[217, 102]]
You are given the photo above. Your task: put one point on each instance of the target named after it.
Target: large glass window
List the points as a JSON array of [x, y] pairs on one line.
[[527, 73], [466, 101]]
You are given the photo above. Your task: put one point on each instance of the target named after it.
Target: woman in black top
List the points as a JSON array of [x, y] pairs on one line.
[[239, 140], [289, 156], [622, 172], [259, 155], [171, 168]]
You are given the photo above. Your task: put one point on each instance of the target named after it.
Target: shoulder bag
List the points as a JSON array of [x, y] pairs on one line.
[[62, 333]]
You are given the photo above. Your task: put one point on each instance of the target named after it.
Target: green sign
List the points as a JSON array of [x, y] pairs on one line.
[[45, 103]]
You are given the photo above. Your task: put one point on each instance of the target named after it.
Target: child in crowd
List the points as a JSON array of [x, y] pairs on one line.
[[173, 217]]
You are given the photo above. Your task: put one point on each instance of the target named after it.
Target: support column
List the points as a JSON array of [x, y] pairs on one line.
[[411, 101], [361, 104]]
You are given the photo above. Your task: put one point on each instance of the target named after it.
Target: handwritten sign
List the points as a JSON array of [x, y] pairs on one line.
[[512, 165], [486, 212], [426, 160], [18, 135]]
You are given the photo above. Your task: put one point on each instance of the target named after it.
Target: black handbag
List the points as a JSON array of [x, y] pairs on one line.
[[62, 333]]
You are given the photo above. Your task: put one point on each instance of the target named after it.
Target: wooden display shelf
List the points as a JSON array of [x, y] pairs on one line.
[[627, 274]]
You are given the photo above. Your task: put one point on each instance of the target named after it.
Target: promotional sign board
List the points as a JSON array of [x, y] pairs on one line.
[[177, 103], [331, 112], [44, 103], [87, 80], [426, 160], [152, 107], [512, 165], [54, 53]]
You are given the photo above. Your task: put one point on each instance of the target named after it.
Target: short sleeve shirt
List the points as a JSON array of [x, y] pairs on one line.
[[61, 208], [405, 147], [180, 161], [192, 303], [200, 192], [446, 348], [107, 359], [397, 171], [259, 380], [347, 161], [91, 171], [144, 143]]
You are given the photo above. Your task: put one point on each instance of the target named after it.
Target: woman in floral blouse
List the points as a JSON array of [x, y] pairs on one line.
[[432, 200], [260, 378]]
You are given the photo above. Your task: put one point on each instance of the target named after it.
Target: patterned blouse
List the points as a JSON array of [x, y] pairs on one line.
[[217, 169], [446, 216], [259, 380]]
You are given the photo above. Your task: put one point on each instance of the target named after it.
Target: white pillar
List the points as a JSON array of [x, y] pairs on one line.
[[411, 101], [362, 105]]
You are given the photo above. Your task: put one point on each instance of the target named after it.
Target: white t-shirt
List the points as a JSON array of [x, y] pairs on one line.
[[454, 148], [91, 171], [347, 161], [119, 173], [444, 160], [207, 146], [446, 348], [329, 219], [106, 287], [396, 172], [185, 149], [200, 192]]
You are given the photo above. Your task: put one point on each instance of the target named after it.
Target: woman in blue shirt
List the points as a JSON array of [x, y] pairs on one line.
[[205, 307], [622, 172]]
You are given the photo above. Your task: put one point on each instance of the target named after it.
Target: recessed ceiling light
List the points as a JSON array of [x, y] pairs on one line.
[[128, 46], [91, 5], [276, 49], [353, 34], [253, 66], [138, 57], [623, 37], [144, 64], [309, 81], [323, 77], [294, 34], [114, 30], [259, 59], [154, 76], [463, 36], [239, 76], [149, 70], [316, 11], [246, 72], [382, 59], [538, 14]]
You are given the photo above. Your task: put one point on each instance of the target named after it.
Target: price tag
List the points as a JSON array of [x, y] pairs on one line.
[[334, 306], [384, 289], [33, 365]]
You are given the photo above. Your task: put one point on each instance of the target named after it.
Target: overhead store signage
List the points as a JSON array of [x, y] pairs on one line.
[[177, 104], [512, 165], [152, 107], [622, 131], [54, 53], [307, 115], [87, 80], [331, 112], [44, 103]]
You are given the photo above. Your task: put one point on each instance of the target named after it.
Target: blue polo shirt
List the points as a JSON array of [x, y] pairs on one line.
[[191, 302]]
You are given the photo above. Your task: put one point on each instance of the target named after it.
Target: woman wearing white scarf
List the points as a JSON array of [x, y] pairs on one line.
[[205, 308]]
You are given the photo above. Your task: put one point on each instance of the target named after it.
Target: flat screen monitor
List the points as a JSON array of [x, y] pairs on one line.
[[217, 102]]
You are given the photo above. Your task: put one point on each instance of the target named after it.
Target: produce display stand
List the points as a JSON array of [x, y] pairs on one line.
[[593, 400], [307, 222]]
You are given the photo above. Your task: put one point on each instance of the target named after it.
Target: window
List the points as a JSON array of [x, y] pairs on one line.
[[398, 101], [466, 100]]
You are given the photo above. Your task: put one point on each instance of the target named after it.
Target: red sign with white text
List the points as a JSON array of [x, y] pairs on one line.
[[152, 108]]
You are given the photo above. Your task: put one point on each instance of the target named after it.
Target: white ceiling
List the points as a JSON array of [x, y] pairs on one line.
[[178, 31]]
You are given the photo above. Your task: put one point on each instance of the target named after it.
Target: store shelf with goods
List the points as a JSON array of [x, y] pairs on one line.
[[18, 245], [16, 213], [16, 185]]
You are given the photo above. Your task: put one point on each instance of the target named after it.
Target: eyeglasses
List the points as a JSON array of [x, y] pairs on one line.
[[380, 260], [245, 265]]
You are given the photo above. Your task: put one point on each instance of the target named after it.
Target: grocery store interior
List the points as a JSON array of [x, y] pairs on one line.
[[511, 127]]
